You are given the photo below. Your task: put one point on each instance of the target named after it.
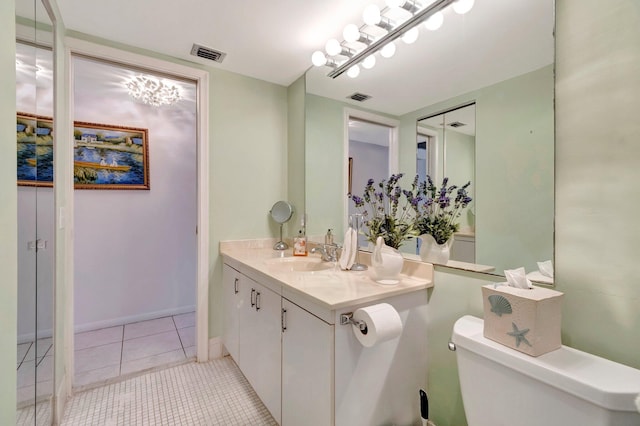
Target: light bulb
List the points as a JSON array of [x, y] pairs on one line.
[[462, 6], [354, 71], [318, 59], [388, 50], [434, 22], [333, 47], [369, 62], [351, 33], [395, 3], [371, 15], [411, 36]]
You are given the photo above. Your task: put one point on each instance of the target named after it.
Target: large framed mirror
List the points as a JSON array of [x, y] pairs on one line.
[[499, 57]]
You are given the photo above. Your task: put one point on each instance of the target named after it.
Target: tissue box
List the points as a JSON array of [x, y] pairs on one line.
[[527, 320]]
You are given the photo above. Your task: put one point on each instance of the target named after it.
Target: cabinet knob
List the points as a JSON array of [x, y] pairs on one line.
[[235, 286], [283, 320], [257, 301], [253, 293]]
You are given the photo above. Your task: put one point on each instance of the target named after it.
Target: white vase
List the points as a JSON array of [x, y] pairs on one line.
[[386, 263], [432, 252]]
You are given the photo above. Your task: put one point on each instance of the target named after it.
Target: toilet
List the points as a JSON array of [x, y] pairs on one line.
[[565, 387]]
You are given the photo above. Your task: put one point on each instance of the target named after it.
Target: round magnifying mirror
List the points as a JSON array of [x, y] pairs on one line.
[[281, 212]]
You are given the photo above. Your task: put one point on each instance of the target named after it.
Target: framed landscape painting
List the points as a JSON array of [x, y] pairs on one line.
[[34, 146], [105, 156], [110, 157]]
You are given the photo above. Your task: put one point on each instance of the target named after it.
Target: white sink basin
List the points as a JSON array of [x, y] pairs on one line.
[[300, 264]]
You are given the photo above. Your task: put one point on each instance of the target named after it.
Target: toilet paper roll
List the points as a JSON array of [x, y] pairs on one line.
[[383, 323]]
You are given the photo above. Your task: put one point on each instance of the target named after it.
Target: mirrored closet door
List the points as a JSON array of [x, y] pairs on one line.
[[34, 150]]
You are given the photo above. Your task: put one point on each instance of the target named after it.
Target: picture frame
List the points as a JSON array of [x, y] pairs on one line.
[[110, 157], [34, 150], [350, 181], [105, 156]]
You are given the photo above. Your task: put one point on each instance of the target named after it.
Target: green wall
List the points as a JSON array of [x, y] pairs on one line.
[[596, 243], [248, 161], [513, 182], [8, 215], [597, 169], [324, 144], [324, 162], [461, 167], [295, 143]]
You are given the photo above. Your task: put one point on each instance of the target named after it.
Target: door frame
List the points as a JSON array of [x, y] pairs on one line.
[[201, 77], [394, 142]]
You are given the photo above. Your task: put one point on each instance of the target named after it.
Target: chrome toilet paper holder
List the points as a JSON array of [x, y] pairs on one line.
[[346, 319]]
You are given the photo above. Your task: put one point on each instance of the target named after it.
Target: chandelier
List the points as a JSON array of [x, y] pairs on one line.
[[360, 43], [152, 91]]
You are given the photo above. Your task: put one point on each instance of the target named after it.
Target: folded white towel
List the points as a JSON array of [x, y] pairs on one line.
[[345, 257], [354, 247], [546, 268], [517, 278]]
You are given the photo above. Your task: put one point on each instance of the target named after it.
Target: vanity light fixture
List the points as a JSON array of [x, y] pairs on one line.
[[430, 15], [152, 91]]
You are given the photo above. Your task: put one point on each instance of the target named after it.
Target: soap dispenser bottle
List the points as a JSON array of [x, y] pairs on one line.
[[328, 239], [300, 242]]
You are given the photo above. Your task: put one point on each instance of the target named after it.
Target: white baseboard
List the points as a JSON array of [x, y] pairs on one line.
[[30, 337], [215, 348], [112, 322]]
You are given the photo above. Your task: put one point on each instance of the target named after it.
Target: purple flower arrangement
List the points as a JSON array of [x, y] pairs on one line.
[[397, 215], [438, 209], [386, 211]]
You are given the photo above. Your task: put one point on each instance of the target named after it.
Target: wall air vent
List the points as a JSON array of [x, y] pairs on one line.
[[207, 53], [360, 97], [456, 124]]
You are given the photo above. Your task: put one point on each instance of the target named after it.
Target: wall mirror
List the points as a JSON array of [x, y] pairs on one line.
[[499, 57], [445, 146], [34, 139]]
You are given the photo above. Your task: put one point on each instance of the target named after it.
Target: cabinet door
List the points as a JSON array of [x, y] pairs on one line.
[[232, 301], [260, 343], [307, 368]]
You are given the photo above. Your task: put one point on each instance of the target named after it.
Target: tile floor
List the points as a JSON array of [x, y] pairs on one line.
[[211, 393], [30, 355], [105, 354]]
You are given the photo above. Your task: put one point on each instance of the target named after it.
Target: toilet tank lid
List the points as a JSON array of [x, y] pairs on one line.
[[603, 382]]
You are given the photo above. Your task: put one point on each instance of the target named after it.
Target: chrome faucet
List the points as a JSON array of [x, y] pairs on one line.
[[328, 252]]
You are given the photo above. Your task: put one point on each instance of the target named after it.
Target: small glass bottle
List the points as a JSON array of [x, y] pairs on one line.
[[300, 244]]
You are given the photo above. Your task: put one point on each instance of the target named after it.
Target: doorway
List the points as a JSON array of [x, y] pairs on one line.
[[135, 217], [194, 232], [371, 153]]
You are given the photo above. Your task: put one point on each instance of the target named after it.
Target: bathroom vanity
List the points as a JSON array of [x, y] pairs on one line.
[[282, 327]]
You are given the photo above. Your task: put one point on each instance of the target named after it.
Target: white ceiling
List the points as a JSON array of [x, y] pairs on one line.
[[274, 40]]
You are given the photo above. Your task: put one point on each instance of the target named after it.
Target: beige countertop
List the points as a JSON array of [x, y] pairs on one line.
[[331, 288]]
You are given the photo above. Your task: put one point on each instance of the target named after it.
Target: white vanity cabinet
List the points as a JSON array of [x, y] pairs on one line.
[[285, 352], [232, 296], [305, 366], [259, 336], [307, 363]]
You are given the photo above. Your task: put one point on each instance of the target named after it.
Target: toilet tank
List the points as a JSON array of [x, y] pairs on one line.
[[501, 386]]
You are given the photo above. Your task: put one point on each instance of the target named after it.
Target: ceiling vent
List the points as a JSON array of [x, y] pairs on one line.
[[359, 97], [207, 53], [457, 124]]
